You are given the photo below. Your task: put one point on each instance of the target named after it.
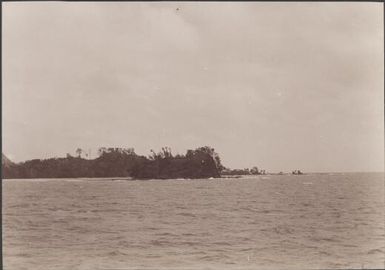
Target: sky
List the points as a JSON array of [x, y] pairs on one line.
[[281, 86]]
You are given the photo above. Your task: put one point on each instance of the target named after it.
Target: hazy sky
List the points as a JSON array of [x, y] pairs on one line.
[[282, 86]]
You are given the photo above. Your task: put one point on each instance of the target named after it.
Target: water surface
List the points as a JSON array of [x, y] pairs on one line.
[[308, 221]]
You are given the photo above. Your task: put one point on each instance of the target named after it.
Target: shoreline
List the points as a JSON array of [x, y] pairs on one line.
[[191, 179]]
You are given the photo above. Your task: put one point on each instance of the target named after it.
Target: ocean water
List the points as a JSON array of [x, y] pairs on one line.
[[266, 222]]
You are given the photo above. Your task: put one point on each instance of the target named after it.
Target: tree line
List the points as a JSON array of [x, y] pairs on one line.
[[202, 162]]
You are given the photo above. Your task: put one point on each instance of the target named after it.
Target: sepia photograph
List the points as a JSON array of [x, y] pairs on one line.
[[192, 135]]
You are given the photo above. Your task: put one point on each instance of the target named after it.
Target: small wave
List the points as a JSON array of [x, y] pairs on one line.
[[23, 205], [308, 246], [214, 257], [246, 249], [58, 209], [376, 250], [324, 239], [348, 245], [222, 243], [153, 256], [165, 234], [24, 255], [116, 253], [325, 253], [190, 243], [197, 252], [247, 208], [186, 214], [306, 204], [283, 230], [158, 243], [151, 228]]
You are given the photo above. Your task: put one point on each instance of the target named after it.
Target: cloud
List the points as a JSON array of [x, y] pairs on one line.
[[272, 81]]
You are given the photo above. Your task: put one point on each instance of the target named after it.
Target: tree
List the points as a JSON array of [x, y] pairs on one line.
[[79, 152], [254, 170]]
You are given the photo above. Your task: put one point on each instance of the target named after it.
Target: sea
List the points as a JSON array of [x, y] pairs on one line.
[[311, 221]]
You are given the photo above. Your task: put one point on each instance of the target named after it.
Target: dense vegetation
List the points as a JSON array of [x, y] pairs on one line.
[[202, 162]]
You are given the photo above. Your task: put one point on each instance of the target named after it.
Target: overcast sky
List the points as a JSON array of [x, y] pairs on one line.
[[282, 86]]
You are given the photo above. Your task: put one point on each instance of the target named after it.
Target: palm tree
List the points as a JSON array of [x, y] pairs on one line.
[[79, 152]]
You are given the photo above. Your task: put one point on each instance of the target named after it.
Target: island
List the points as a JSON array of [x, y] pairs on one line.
[[203, 162]]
